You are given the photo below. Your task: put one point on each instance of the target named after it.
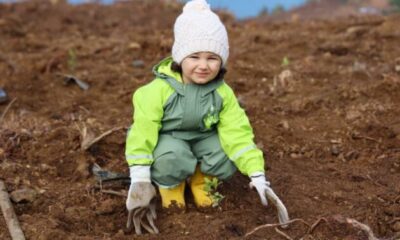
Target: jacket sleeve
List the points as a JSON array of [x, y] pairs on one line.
[[236, 135], [143, 134]]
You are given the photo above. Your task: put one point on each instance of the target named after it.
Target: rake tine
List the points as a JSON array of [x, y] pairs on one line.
[[136, 221], [151, 222], [129, 225], [153, 210]]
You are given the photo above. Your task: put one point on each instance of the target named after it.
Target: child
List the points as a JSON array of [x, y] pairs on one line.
[[188, 124]]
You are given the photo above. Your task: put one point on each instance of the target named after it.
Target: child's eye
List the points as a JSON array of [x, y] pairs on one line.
[[213, 58], [194, 57]]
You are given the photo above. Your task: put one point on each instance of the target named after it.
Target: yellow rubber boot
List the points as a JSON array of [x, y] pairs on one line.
[[173, 197], [197, 183]]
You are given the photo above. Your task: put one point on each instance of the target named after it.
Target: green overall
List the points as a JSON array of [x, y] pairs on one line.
[[187, 142], [178, 126]]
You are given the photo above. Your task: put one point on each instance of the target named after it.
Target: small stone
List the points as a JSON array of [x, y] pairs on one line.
[[134, 45], [397, 68], [335, 150], [295, 155], [23, 195], [356, 30], [359, 67], [138, 63], [119, 234], [327, 55], [337, 194], [353, 115], [396, 226], [284, 124]]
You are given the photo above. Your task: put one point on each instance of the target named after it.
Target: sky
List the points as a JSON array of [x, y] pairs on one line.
[[241, 8], [251, 8]]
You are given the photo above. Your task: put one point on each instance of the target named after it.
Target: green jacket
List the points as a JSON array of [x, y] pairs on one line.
[[188, 111]]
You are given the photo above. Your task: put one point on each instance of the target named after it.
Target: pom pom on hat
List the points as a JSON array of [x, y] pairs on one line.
[[198, 29], [196, 5]]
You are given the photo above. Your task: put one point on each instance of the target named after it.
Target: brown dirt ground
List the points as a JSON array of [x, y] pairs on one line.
[[329, 128]]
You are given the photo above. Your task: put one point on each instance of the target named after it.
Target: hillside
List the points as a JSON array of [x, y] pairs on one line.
[[322, 96]]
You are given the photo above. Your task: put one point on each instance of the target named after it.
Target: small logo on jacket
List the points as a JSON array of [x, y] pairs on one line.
[[211, 118]]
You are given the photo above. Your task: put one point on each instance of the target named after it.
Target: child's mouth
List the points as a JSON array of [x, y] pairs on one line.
[[202, 74]]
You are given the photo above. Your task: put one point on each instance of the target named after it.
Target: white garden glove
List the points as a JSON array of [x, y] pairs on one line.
[[140, 200], [265, 192]]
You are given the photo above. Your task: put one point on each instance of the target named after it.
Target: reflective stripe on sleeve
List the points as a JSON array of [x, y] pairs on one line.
[[128, 157], [242, 151]]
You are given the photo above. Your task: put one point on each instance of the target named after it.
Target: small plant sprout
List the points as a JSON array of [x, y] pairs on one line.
[[72, 62], [285, 61], [210, 187]]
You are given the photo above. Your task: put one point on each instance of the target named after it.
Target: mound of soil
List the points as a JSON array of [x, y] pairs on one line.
[[323, 98]]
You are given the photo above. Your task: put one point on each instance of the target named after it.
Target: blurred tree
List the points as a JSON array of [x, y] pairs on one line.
[[278, 9], [263, 11], [395, 3]]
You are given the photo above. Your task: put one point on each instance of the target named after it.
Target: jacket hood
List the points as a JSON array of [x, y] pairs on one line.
[[163, 70]]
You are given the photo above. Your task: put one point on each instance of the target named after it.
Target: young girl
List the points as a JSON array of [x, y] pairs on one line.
[[188, 124]]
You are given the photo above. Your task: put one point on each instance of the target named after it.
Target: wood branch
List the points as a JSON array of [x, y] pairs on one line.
[[121, 194], [88, 139], [9, 214], [363, 227], [356, 224], [316, 224], [276, 225], [283, 234]]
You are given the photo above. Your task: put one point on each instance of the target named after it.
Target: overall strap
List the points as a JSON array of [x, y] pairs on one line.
[[174, 84], [211, 86]]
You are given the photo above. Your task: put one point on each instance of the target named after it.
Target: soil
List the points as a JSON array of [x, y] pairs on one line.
[[322, 96], [331, 9]]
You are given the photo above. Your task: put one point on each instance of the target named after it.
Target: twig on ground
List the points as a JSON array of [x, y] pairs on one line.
[[72, 79], [365, 137], [276, 225], [363, 227], [283, 234], [315, 224], [6, 110], [356, 224], [88, 139], [121, 194], [375, 182], [338, 218], [9, 214]]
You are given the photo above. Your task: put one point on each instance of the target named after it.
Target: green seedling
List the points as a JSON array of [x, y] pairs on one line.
[[285, 61], [72, 62], [210, 187]]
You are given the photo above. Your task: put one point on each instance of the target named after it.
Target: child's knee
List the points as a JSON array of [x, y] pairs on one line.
[[224, 170], [168, 170]]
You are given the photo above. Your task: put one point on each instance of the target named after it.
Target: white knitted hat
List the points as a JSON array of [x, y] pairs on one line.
[[198, 29]]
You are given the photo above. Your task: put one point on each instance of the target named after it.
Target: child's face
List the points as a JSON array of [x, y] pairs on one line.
[[200, 67]]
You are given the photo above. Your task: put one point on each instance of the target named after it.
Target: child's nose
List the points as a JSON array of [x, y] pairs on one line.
[[203, 64]]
